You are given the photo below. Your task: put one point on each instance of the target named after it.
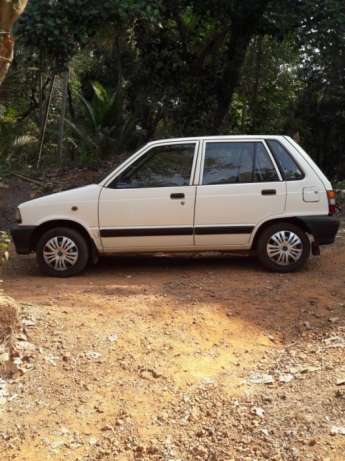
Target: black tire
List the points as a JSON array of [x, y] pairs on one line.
[[302, 247], [80, 249]]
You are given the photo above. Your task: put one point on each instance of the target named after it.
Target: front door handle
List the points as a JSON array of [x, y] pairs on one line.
[[177, 196], [268, 192]]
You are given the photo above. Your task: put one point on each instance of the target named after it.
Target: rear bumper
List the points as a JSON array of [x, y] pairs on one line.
[[22, 238], [323, 228]]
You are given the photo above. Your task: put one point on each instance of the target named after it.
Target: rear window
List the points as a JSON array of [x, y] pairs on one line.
[[289, 169]]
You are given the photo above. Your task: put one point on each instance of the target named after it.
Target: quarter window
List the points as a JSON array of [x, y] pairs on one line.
[[237, 162], [162, 166], [287, 165]]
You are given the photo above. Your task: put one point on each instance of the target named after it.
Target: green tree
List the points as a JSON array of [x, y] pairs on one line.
[[269, 86], [320, 109]]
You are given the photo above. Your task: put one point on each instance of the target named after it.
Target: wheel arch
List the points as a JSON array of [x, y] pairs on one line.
[[48, 225], [291, 220]]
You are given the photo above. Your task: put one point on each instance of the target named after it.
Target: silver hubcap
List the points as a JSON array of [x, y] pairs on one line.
[[60, 253], [284, 248]]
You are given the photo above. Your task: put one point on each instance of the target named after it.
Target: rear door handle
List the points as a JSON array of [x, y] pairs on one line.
[[268, 192], [177, 196]]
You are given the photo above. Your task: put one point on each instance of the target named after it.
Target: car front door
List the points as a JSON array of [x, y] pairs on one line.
[[240, 186], [150, 205]]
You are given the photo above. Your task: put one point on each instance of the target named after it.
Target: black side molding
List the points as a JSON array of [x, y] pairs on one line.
[[219, 230], [160, 231], [146, 232]]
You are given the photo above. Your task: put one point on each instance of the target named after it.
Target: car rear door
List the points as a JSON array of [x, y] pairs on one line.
[[239, 187], [150, 205]]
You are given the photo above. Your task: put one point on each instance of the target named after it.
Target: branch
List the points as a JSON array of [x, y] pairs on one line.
[[10, 11], [25, 178]]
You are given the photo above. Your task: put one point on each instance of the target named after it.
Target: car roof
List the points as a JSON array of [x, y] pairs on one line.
[[240, 137]]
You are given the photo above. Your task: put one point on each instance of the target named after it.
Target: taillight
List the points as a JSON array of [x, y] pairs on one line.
[[331, 195]]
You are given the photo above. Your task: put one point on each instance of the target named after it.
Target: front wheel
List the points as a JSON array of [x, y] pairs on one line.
[[283, 247], [62, 252]]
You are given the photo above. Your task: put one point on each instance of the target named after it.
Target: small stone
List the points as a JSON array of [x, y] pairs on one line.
[[5, 357], [286, 378], [66, 357], [23, 345], [93, 355], [340, 394], [303, 369], [341, 381], [260, 412], [335, 341], [28, 322], [57, 444], [113, 338], [200, 451], [333, 319], [51, 359], [310, 369], [107, 427], [295, 453], [338, 430], [261, 378], [207, 381]]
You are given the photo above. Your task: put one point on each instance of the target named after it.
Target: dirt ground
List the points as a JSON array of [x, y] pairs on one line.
[[179, 358]]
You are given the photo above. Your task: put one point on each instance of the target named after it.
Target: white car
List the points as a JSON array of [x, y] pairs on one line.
[[260, 193]]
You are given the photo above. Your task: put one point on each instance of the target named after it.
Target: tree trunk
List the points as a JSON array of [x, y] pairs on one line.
[[45, 123], [236, 53], [258, 65], [243, 28], [63, 114], [10, 10]]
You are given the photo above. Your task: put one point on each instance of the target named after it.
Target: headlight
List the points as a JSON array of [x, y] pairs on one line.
[[18, 216]]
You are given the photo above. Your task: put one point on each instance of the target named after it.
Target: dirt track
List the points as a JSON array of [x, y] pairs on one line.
[[154, 358]]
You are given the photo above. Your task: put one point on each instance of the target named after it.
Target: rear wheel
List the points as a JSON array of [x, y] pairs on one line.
[[283, 247], [62, 252]]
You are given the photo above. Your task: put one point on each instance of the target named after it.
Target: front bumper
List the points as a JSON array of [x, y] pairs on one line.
[[323, 228], [22, 238]]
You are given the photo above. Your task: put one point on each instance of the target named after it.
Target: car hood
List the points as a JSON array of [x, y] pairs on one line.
[[79, 194]]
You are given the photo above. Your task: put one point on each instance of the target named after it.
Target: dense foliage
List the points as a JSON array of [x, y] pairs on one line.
[[140, 70]]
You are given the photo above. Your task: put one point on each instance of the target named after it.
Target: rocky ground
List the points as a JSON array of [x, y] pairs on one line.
[[178, 358]]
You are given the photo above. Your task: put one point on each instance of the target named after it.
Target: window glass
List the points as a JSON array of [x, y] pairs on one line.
[[287, 165], [264, 169], [237, 162], [162, 166]]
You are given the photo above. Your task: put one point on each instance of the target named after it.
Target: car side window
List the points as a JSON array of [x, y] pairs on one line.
[[264, 170], [237, 162], [162, 166], [286, 164]]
